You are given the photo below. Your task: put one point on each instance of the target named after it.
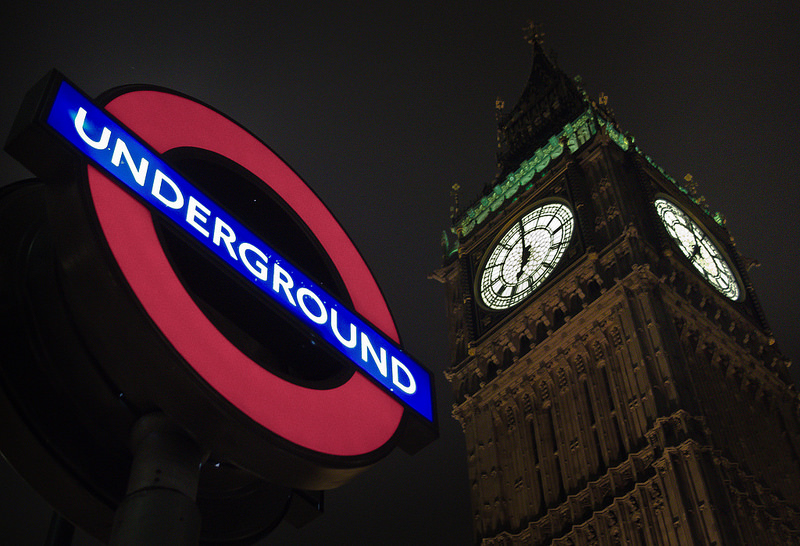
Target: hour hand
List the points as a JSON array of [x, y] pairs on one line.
[[526, 254]]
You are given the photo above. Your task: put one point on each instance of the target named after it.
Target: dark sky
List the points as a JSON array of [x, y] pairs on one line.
[[382, 106]]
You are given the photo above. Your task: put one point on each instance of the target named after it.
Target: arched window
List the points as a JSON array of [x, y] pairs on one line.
[[558, 319], [575, 305], [491, 371], [541, 332], [593, 290], [524, 345], [508, 358]]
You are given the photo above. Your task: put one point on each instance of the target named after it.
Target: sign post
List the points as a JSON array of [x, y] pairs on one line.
[[159, 506]]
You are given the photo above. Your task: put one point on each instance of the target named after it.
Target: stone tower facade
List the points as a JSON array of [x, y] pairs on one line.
[[614, 374]]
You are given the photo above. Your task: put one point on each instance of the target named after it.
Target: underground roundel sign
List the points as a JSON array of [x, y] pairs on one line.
[[237, 303]]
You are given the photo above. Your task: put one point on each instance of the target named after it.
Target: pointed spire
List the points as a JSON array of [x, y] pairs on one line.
[[549, 101]]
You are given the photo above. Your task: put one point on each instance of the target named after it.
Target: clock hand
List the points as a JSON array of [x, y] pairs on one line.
[[526, 252], [699, 236]]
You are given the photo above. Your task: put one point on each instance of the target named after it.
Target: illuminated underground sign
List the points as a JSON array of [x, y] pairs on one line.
[[135, 166]]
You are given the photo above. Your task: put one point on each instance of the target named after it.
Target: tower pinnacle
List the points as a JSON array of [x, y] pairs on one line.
[[532, 32]]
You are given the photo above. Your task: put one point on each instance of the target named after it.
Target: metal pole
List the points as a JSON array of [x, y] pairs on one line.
[[159, 507]]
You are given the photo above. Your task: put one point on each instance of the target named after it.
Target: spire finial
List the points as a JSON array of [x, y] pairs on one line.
[[454, 210], [533, 33]]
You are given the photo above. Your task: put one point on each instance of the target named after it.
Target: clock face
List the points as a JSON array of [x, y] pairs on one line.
[[698, 247], [525, 256]]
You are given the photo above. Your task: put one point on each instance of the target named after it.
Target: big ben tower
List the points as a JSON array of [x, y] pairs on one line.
[[614, 374]]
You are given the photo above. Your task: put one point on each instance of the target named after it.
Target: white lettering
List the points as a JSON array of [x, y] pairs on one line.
[[366, 347], [302, 294], [105, 136], [228, 237], [350, 343], [411, 388], [175, 203], [199, 217], [193, 214], [120, 149], [261, 272], [281, 279]]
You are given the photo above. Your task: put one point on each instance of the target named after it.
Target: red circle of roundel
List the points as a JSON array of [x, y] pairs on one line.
[[352, 419]]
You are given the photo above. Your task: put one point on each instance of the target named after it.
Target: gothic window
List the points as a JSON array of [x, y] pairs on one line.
[[558, 319], [491, 371], [462, 393], [541, 332], [575, 305], [609, 274], [508, 358], [474, 384], [593, 290], [524, 345]]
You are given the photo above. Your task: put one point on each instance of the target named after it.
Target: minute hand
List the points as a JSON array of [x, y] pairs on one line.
[[526, 252]]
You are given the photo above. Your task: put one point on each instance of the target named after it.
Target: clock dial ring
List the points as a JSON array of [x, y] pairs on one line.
[[705, 255], [524, 255]]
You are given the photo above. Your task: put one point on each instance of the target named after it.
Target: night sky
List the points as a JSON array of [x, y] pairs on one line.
[[382, 106]]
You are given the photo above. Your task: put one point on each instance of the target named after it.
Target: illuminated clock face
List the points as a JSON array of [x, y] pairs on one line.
[[525, 256], [698, 247]]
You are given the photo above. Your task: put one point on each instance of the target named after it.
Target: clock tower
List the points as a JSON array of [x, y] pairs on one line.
[[613, 372]]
